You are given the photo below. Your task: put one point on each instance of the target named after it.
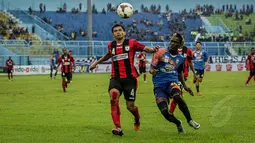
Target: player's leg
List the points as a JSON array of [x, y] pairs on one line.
[[173, 105], [200, 79], [249, 78], [162, 101], [51, 70], [64, 84], [177, 97], [144, 75], [197, 83], [115, 92], [56, 72], [11, 74], [130, 86], [8, 72], [69, 77]]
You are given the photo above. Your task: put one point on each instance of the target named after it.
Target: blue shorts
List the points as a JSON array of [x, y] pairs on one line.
[[166, 90], [200, 72]]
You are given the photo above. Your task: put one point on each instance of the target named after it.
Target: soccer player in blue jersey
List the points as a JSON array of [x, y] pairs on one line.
[[53, 66], [200, 59], [167, 70]]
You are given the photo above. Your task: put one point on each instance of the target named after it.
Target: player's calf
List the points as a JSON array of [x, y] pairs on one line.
[[163, 107], [115, 110]]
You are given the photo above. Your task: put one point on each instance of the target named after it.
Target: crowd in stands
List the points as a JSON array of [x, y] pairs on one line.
[[174, 23], [9, 30]]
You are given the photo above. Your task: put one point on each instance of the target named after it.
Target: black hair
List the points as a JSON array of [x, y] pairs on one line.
[[252, 48], [199, 42], [179, 36], [117, 25]]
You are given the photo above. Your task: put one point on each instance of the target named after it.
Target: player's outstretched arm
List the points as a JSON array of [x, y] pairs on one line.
[[151, 50], [104, 58]]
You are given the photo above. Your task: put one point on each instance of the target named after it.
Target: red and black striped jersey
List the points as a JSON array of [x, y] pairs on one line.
[[66, 61], [122, 56]]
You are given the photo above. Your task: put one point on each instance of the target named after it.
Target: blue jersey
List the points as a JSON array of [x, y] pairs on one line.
[[199, 57], [168, 67]]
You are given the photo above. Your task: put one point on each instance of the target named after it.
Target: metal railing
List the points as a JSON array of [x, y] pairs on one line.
[[38, 52]]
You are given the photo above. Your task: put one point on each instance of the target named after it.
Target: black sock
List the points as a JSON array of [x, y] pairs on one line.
[[183, 107], [197, 87], [163, 107]]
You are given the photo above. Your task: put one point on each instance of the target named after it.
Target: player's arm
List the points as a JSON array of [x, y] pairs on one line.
[[140, 47], [151, 50], [247, 60], [206, 59], [107, 56], [191, 65], [73, 61], [154, 62], [182, 80], [59, 62]]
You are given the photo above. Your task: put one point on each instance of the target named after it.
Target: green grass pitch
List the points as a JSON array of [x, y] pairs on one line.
[[35, 109]]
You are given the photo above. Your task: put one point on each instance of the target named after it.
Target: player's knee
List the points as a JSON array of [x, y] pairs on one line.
[[176, 93], [130, 106], [163, 106], [114, 97]]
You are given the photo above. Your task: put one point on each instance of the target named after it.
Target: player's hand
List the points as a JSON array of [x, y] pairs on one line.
[[156, 48], [93, 66], [153, 71], [189, 90]]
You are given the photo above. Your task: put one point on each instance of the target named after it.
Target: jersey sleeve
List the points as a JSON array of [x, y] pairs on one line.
[[137, 46], [60, 60], [156, 56], [72, 59], [249, 58], [109, 48]]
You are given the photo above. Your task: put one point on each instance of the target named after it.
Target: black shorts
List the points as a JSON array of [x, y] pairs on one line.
[[9, 71], [127, 85], [67, 75], [252, 72], [200, 73], [142, 70], [52, 67]]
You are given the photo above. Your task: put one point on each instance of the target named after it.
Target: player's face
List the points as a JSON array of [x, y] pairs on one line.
[[175, 43], [65, 51], [198, 46], [253, 51], [118, 33]]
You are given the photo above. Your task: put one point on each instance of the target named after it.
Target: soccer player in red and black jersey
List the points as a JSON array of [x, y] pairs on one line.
[[9, 63], [66, 61], [251, 61], [142, 65], [123, 77]]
